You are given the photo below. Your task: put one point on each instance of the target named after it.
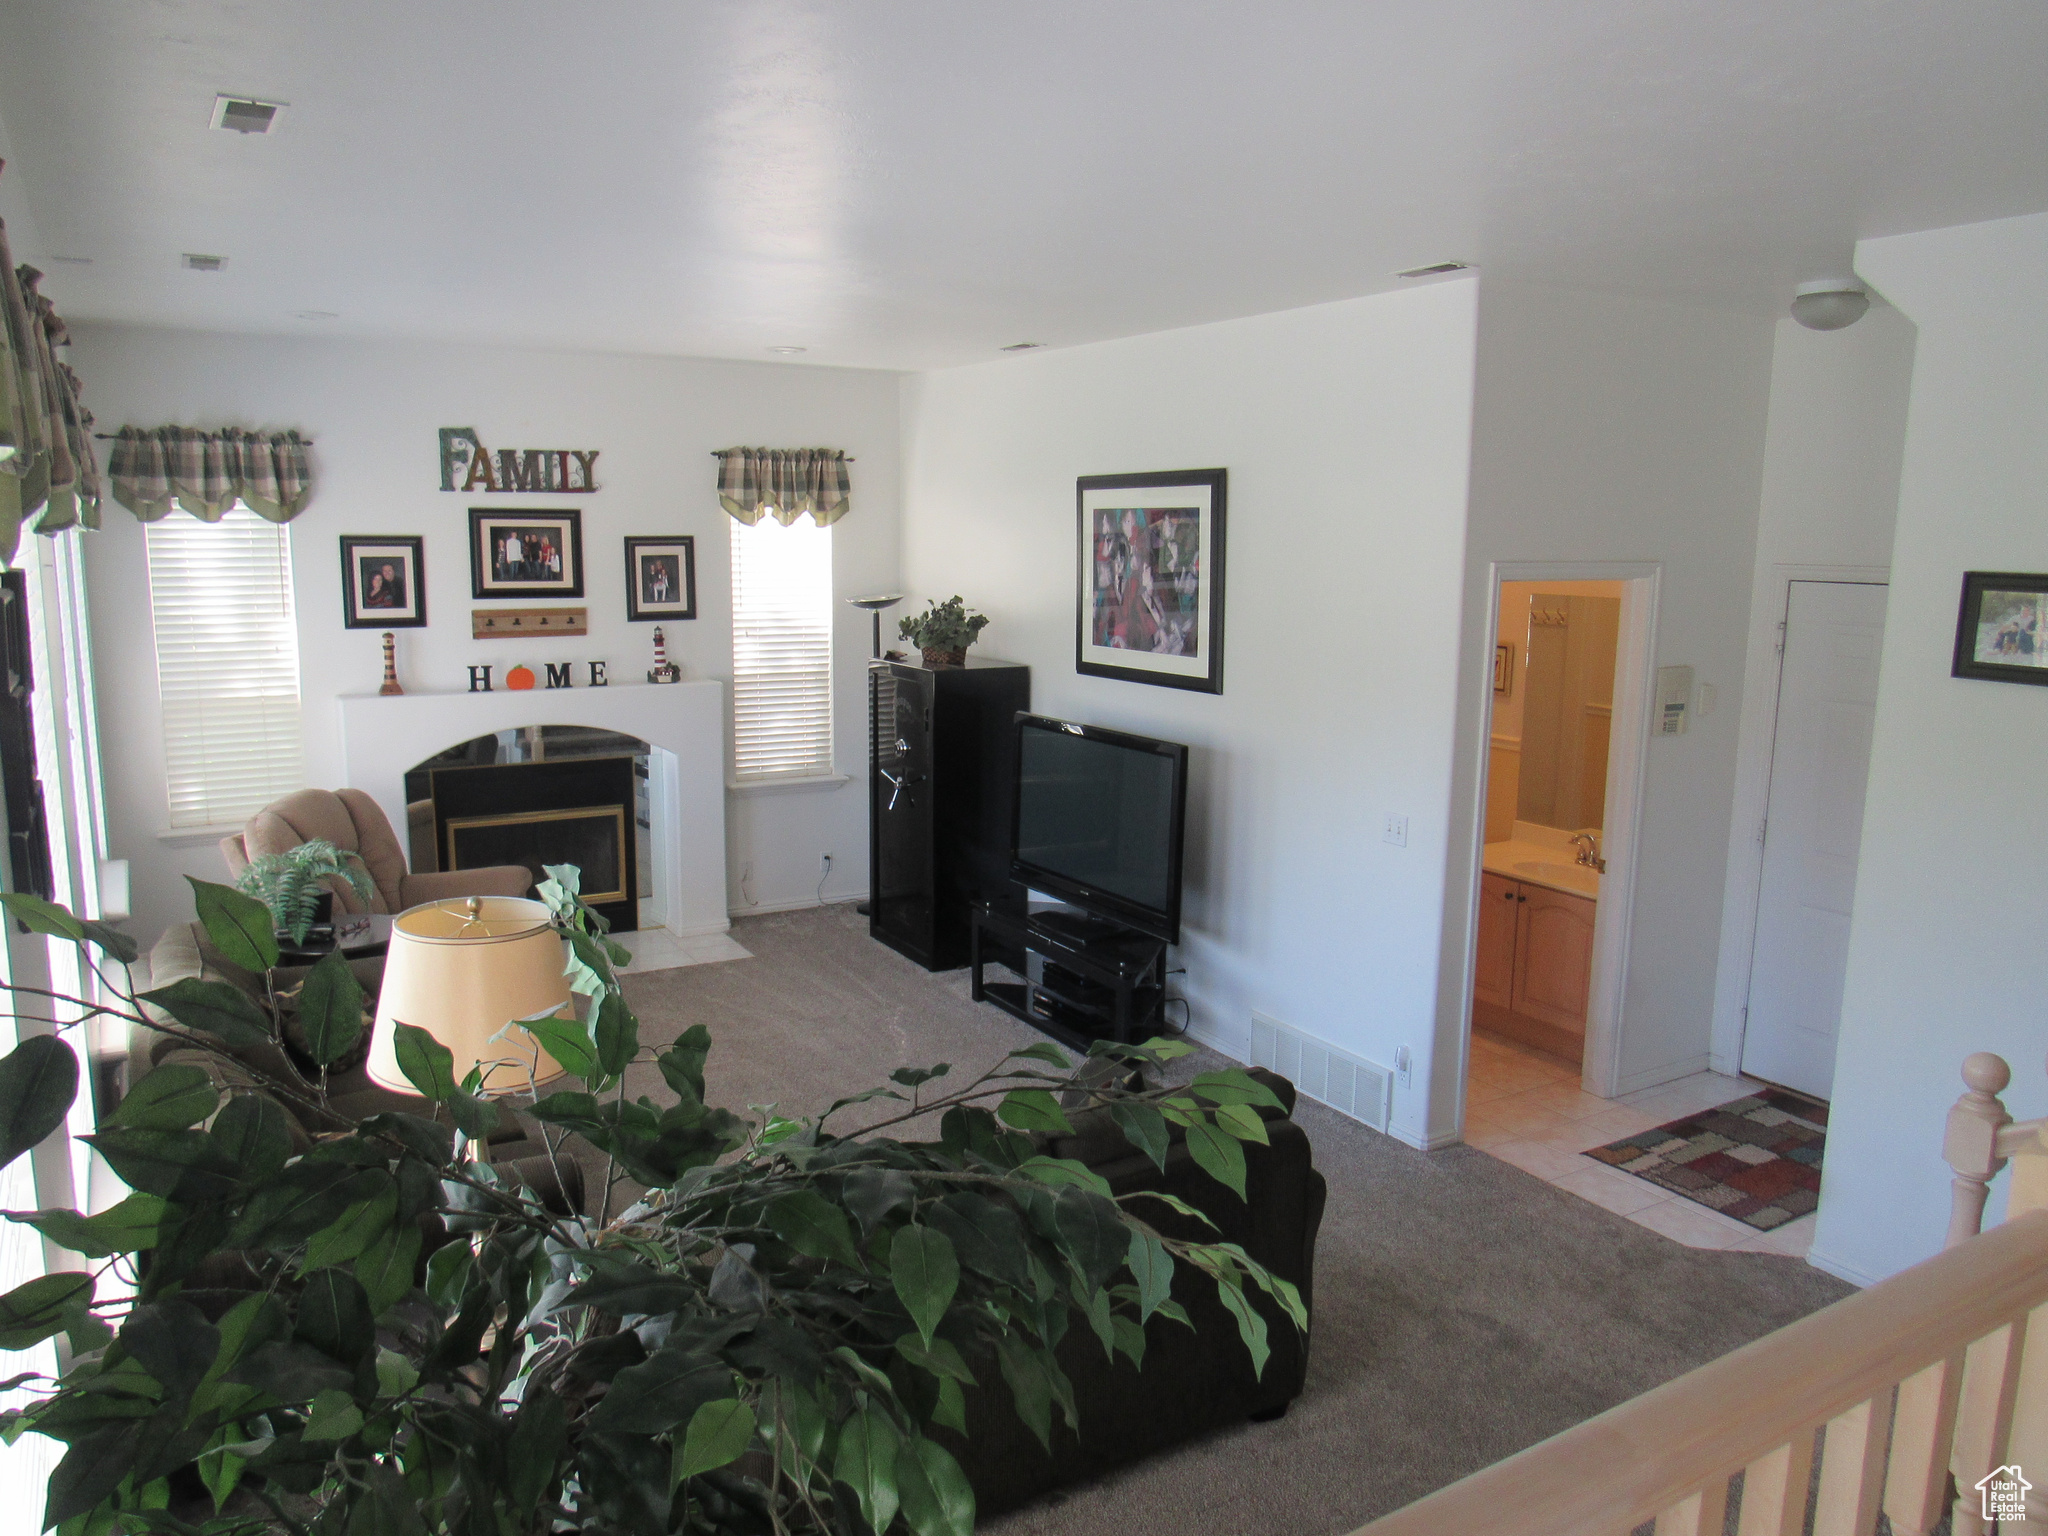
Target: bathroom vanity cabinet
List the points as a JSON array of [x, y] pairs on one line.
[[1535, 964]]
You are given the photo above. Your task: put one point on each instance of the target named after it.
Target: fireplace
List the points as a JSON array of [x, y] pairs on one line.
[[539, 796]]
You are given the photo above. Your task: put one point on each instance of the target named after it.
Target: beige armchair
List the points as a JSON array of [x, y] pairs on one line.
[[353, 822]]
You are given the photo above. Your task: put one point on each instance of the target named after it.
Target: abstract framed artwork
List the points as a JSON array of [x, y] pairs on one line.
[[2002, 628], [516, 553], [383, 581], [1150, 586], [661, 579]]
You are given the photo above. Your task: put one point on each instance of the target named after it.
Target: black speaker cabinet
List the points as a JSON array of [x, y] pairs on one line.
[[942, 778]]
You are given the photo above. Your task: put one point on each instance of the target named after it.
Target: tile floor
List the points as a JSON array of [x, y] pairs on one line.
[[656, 949], [1527, 1108]]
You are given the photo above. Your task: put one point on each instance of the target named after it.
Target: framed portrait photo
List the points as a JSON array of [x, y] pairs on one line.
[[661, 579], [515, 553], [2002, 628], [383, 581], [1150, 584], [1504, 668]]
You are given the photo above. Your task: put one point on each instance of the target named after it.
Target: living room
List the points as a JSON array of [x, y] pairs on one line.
[[1395, 447]]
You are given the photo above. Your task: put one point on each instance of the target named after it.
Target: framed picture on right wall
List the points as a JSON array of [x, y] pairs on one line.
[[2002, 628], [1150, 585]]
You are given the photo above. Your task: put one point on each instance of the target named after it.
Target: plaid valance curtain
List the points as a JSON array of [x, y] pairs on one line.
[[206, 473], [783, 482], [46, 458]]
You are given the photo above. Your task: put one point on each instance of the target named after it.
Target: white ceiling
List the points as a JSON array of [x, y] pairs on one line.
[[916, 183]]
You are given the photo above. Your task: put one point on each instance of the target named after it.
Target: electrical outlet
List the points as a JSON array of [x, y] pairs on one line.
[[1397, 830], [824, 863], [1404, 1066]]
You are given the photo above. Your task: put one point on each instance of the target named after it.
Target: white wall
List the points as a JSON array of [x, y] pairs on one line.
[[1345, 428], [1609, 429], [374, 409], [1946, 954], [1830, 499]]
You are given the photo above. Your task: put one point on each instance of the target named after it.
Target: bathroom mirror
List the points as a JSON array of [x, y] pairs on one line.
[[1567, 707]]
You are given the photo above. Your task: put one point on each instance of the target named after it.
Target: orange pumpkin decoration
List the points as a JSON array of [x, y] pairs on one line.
[[519, 677]]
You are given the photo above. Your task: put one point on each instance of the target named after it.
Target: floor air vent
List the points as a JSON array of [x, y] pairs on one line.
[[1346, 1083]]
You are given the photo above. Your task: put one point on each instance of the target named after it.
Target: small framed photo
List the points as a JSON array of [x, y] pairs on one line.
[[515, 553], [1150, 585], [383, 581], [1504, 668], [661, 579], [2002, 628]]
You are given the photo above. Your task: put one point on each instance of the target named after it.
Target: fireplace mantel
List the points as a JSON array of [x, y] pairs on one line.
[[383, 737]]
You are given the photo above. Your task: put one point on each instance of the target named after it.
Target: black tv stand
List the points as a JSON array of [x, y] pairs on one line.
[[1086, 978]]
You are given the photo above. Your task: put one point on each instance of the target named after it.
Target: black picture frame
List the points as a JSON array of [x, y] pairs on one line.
[[2003, 613], [643, 553], [553, 569], [377, 568], [1179, 515]]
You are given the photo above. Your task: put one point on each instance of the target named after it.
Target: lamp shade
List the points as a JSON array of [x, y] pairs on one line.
[[463, 968]]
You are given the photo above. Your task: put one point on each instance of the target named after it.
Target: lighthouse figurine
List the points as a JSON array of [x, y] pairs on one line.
[[663, 670], [390, 665]]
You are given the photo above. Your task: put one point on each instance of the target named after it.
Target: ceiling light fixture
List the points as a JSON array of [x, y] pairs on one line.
[[1829, 303], [788, 351], [194, 262], [1023, 346], [1436, 269], [245, 114]]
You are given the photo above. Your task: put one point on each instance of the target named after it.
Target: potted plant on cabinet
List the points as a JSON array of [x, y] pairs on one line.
[[293, 884], [943, 631]]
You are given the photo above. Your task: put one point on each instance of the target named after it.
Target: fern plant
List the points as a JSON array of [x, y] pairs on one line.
[[291, 883]]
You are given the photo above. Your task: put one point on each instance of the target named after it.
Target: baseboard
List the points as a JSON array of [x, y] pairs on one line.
[[695, 929], [800, 904], [1669, 1072], [1839, 1270], [1432, 1143]]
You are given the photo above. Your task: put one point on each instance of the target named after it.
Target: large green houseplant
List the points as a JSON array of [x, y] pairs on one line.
[[756, 1345]]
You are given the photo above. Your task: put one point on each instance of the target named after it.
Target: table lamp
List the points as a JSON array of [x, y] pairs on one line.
[[461, 969]]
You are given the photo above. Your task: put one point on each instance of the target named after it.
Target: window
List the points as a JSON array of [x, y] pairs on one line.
[[781, 650], [227, 664]]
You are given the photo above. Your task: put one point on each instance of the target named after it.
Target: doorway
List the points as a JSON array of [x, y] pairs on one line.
[[1542, 859], [1812, 826]]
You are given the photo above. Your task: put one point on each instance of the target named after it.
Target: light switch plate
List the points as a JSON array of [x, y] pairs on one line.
[[1397, 830]]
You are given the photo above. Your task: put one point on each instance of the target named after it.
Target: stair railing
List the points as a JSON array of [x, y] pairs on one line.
[[1910, 1394]]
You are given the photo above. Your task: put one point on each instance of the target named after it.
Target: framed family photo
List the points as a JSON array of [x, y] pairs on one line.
[[515, 553], [1150, 598], [2002, 628], [383, 581], [661, 579]]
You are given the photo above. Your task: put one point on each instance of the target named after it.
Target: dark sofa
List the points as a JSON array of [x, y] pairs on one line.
[[1193, 1382]]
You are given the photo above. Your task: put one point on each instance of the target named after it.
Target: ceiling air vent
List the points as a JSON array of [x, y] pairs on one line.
[[1023, 346], [243, 114], [1436, 269], [194, 262]]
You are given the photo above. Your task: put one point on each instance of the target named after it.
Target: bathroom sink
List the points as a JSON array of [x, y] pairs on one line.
[[1574, 877]]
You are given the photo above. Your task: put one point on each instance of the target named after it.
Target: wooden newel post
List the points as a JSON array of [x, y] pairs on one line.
[[1971, 1145]]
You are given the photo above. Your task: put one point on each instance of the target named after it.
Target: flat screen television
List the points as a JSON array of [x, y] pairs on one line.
[[1099, 819]]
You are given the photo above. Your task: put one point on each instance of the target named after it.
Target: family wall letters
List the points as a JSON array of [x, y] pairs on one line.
[[542, 471]]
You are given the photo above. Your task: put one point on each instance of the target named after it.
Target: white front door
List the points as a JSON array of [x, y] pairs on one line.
[[1820, 764]]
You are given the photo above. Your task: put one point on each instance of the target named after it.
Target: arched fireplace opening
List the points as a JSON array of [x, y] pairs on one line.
[[539, 795]]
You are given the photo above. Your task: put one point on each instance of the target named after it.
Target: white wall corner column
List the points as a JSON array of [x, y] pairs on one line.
[[684, 724]]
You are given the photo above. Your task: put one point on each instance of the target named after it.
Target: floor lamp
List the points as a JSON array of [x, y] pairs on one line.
[[874, 605]]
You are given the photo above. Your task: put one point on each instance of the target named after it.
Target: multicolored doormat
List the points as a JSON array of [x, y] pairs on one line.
[[1757, 1159]]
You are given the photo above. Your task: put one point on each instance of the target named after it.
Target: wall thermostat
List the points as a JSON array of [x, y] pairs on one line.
[[1674, 699]]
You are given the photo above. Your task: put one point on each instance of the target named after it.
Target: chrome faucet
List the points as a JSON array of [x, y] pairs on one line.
[[1589, 851]]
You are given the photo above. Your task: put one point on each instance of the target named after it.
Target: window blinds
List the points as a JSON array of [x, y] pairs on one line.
[[781, 650], [227, 665]]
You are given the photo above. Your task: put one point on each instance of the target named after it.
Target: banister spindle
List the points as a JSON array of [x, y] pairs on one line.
[[1923, 1433], [1991, 1380], [1971, 1144], [1701, 1514], [1774, 1489], [1852, 1469]]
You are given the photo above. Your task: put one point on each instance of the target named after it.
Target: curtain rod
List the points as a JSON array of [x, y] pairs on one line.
[[719, 453], [112, 437]]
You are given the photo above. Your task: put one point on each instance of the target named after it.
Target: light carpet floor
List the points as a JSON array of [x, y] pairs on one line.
[[1463, 1309]]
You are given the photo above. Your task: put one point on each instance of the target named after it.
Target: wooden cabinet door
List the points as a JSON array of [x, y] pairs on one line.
[[1553, 957], [1493, 976]]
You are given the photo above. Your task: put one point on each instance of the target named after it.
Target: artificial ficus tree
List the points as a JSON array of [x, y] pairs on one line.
[[383, 1334]]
